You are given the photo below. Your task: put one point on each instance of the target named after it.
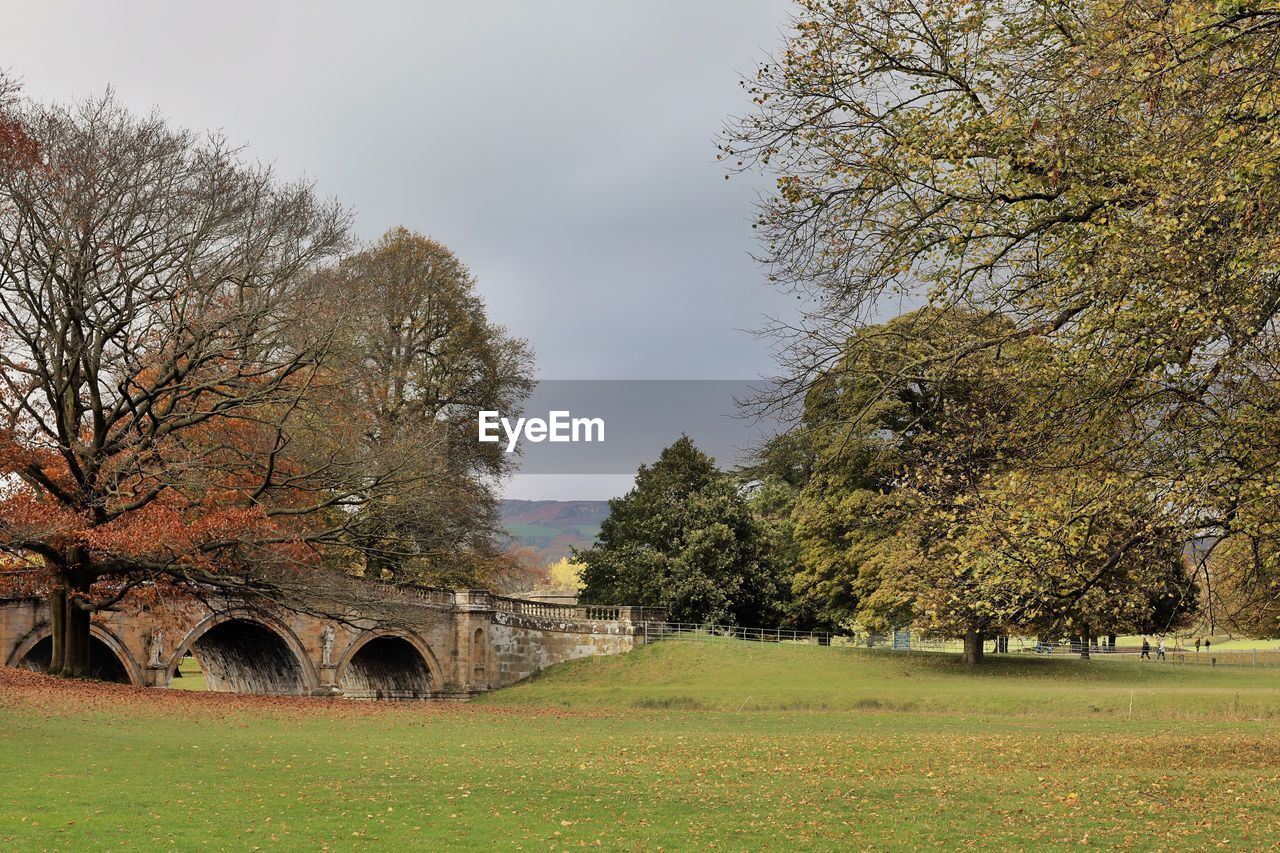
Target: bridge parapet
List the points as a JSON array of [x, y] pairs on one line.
[[356, 591], [543, 609], [373, 590], [577, 612]]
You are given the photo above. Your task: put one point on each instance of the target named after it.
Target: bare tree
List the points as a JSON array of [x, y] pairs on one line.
[[161, 413]]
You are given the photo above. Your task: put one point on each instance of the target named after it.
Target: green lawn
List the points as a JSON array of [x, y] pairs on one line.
[[192, 676], [678, 745]]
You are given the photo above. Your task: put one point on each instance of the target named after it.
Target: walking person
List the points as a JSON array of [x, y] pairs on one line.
[[1146, 650], [1160, 650], [1197, 645]]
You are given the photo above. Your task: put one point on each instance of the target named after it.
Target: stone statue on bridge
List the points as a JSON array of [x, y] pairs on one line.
[[156, 648], [326, 646]]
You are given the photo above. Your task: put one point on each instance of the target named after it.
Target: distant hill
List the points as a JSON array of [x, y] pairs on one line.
[[551, 528]]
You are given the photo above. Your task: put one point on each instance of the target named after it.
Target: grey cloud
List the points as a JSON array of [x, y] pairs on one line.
[[565, 150]]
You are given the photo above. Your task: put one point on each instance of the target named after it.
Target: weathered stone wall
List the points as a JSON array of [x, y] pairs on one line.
[[520, 646], [18, 619]]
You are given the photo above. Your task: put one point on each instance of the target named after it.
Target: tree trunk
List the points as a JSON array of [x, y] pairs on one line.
[[70, 626], [973, 647], [1085, 637], [57, 619], [76, 662]]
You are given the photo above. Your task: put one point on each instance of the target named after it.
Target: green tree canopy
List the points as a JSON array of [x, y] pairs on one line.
[[946, 493], [684, 538], [1100, 173]]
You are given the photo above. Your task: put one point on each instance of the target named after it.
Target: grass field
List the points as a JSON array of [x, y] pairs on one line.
[[725, 745], [192, 676]]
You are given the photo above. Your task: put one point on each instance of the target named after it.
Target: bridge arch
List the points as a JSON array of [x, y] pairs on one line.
[[388, 664], [243, 651], [109, 657]]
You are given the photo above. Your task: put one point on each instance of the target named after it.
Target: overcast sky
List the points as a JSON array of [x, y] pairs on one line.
[[564, 150]]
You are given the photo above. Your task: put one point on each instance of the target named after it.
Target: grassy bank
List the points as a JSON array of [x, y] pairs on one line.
[[736, 676], [676, 745]]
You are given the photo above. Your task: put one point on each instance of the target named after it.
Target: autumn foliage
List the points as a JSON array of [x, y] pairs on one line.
[[179, 408]]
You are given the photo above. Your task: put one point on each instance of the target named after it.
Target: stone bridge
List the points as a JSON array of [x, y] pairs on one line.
[[393, 642]]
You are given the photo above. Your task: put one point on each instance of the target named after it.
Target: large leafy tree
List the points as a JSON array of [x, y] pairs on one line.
[[417, 352], [684, 538], [174, 410], [1089, 166], [1063, 554], [892, 404], [946, 494], [1099, 172]]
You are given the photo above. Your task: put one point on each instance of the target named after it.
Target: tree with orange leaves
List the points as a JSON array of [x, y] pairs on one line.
[[165, 416]]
